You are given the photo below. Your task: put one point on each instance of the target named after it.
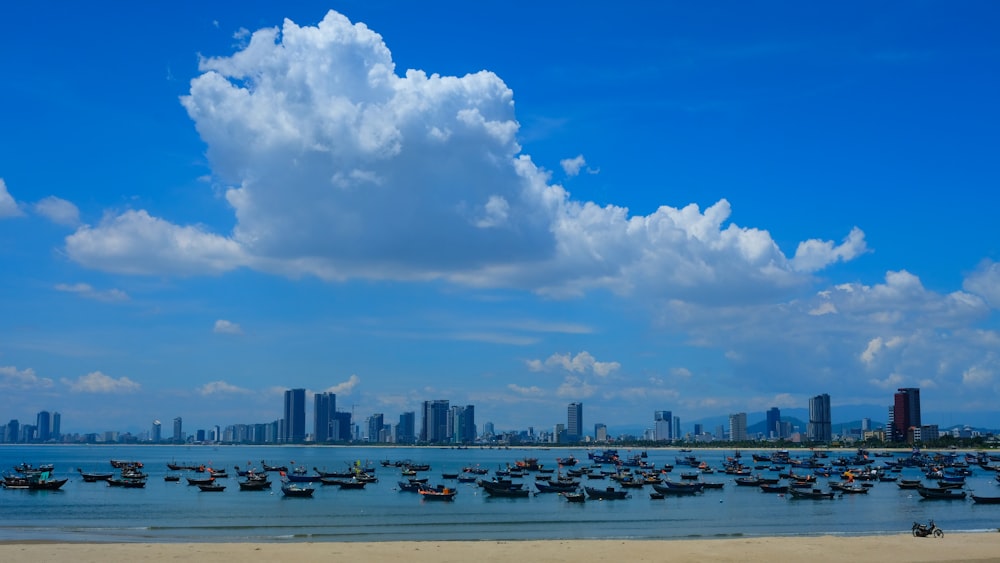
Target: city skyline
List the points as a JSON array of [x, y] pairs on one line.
[[716, 210]]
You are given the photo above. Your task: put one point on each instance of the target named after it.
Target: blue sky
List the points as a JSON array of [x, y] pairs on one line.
[[647, 206]]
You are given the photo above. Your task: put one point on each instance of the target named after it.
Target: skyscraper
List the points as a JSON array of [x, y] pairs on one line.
[[819, 428], [905, 413], [295, 416], [434, 426], [773, 427], [463, 424], [44, 425], [738, 427], [406, 429], [325, 405], [574, 422], [375, 423], [56, 426], [156, 434], [663, 426], [178, 430]]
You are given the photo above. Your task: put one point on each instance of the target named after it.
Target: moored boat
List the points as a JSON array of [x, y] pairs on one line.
[[605, 494], [938, 493], [815, 494], [985, 500]]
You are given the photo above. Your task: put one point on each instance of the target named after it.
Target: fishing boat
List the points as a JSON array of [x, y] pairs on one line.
[[574, 497], [212, 488], [127, 483], [605, 494], [939, 493], [196, 481], [669, 487], [295, 490], [94, 477], [773, 488], [443, 493], [171, 478], [507, 492], [985, 500], [254, 485], [814, 494]]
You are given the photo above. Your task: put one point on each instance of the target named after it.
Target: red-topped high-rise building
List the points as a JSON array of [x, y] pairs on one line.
[[905, 413]]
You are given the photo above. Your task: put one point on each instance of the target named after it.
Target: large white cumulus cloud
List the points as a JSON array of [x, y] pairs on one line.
[[341, 167]]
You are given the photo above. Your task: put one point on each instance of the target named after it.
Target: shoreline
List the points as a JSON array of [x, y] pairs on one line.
[[984, 546]]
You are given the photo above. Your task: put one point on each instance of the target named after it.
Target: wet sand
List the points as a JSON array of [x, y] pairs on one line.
[[953, 547]]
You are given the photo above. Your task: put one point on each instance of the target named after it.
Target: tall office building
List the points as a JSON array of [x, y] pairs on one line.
[[44, 426], [574, 422], [295, 416], [56, 426], [819, 428], [375, 424], [434, 426], [463, 424], [905, 413], [178, 430], [773, 425], [676, 431], [738, 427], [324, 405], [406, 429], [663, 422], [156, 434], [601, 432]]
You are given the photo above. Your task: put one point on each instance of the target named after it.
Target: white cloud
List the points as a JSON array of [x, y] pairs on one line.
[[985, 282], [572, 166], [344, 388], [532, 391], [86, 290], [136, 243], [8, 207], [221, 388], [583, 362], [59, 211], [575, 388], [223, 326], [813, 255], [97, 382], [354, 171], [12, 378]]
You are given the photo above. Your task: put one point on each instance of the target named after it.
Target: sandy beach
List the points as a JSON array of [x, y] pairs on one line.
[[953, 547]]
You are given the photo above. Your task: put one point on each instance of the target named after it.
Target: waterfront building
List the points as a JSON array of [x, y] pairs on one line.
[[434, 426], [663, 426], [406, 429], [600, 432], [156, 434], [295, 416], [738, 427], [43, 423], [56, 430], [375, 424], [772, 429], [820, 427], [324, 407], [178, 437], [905, 413], [574, 422], [463, 424], [675, 432]]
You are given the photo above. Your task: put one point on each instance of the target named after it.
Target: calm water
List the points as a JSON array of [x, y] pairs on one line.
[[171, 512]]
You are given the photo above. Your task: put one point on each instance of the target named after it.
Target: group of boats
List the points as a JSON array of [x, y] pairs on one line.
[[944, 476]]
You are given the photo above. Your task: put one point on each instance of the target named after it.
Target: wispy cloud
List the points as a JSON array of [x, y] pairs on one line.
[[86, 290], [99, 383], [223, 326]]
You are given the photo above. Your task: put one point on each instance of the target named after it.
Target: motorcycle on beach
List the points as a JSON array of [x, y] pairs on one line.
[[930, 529]]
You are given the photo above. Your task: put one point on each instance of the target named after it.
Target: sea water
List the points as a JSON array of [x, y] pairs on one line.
[[177, 512]]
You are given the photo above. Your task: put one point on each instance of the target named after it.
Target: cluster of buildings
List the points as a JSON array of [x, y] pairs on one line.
[[440, 422]]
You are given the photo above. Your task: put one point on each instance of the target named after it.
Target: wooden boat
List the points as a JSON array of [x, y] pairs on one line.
[[669, 487], [278, 468], [94, 477], [171, 478], [550, 486], [437, 494], [985, 500], [127, 483], [909, 483], [507, 492], [605, 494], [45, 484], [212, 488], [255, 485], [748, 481], [296, 490], [938, 493], [773, 488], [712, 484], [345, 483], [574, 497], [196, 481], [814, 494]]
